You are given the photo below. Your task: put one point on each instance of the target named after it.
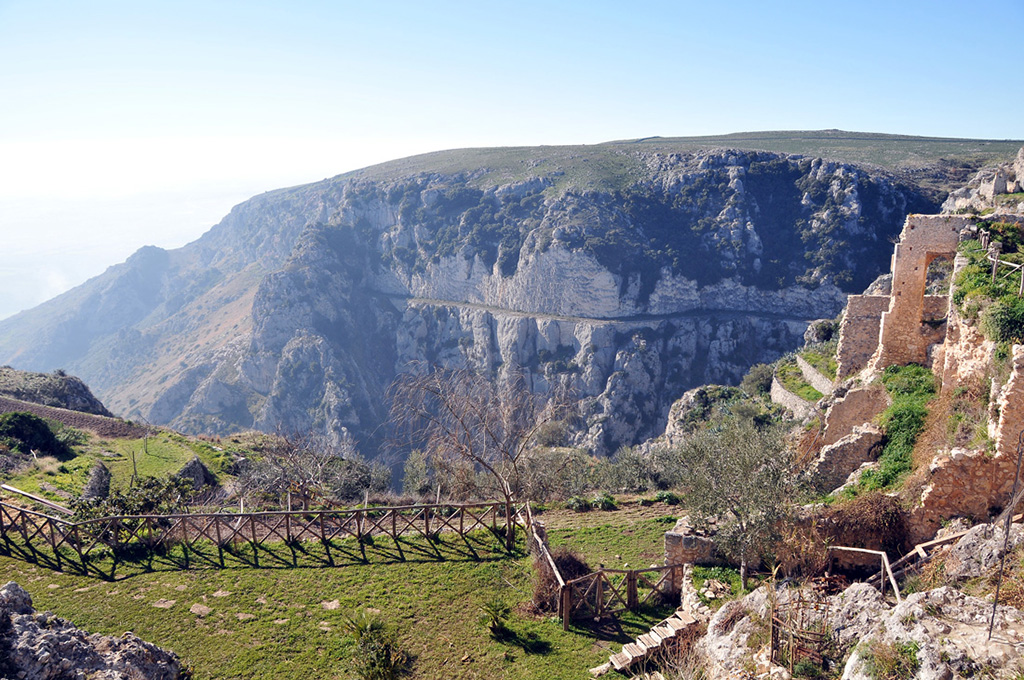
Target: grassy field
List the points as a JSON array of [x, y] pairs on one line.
[[617, 164], [281, 621], [160, 455]]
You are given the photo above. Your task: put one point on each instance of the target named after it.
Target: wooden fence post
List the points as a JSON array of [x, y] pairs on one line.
[[565, 600], [631, 594], [510, 527]]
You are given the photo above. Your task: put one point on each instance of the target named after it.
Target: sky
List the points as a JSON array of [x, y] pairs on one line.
[[125, 124]]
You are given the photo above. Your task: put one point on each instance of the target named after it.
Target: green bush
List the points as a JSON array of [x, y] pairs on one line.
[[25, 433], [378, 655], [603, 502], [577, 504], [667, 497], [758, 380], [1003, 321]]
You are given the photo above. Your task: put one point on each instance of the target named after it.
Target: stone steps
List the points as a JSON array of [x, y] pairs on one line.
[[647, 644]]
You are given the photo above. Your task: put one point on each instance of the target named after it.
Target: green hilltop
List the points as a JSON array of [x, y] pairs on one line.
[[935, 162]]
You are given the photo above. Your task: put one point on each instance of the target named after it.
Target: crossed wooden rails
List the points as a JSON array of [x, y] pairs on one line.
[[153, 532], [608, 592]]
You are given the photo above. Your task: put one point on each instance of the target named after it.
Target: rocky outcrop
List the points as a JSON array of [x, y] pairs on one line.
[[302, 306], [991, 188], [943, 632], [56, 389], [41, 646]]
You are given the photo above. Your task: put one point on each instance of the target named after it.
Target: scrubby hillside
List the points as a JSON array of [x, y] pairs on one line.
[[50, 389]]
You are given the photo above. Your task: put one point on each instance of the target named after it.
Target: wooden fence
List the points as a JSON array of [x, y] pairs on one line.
[[607, 592], [150, 533]]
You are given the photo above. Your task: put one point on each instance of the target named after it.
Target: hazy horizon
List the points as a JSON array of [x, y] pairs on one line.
[[131, 125]]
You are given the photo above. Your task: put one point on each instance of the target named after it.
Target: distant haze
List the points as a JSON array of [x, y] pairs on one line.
[[125, 123]]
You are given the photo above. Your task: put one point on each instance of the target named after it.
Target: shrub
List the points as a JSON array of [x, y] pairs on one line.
[[577, 504], [570, 564], [1003, 321], [758, 380], [495, 613], [378, 656], [603, 501], [872, 520], [26, 433], [892, 660], [667, 497]]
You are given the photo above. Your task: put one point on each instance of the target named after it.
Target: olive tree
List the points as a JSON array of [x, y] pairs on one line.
[[736, 475], [466, 421]]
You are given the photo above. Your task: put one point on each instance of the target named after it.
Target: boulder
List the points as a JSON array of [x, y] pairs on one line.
[[97, 487], [197, 473]]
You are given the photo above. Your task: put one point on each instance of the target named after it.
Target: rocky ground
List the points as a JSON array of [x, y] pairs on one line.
[[934, 634], [40, 646]]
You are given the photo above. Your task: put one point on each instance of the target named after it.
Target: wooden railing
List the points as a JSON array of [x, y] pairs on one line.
[[607, 592], [155, 532]]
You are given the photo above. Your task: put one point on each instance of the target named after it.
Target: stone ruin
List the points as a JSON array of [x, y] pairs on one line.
[[911, 326]]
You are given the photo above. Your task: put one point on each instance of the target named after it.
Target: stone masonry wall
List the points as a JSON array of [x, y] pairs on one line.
[[903, 339], [857, 407], [814, 377], [858, 337], [973, 483], [783, 397]]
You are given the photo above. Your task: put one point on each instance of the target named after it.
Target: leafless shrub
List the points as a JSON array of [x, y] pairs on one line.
[[570, 564]]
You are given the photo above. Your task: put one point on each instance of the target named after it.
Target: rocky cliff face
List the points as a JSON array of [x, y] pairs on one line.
[[300, 308]]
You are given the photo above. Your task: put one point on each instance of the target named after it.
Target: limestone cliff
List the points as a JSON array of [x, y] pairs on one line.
[[656, 272]]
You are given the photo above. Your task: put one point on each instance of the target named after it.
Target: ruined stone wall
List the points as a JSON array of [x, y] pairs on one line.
[[857, 407], [976, 483], [786, 399], [903, 338], [684, 545], [814, 377], [1010, 403], [858, 337]]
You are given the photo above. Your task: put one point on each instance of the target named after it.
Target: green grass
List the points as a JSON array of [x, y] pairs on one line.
[[995, 303], [792, 379], [725, 575], [270, 621], [639, 544], [163, 454], [911, 388], [822, 357]]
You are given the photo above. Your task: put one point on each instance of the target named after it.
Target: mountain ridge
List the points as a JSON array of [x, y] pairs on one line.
[[293, 281]]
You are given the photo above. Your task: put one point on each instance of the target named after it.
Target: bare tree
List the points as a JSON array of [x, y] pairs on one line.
[[306, 466], [463, 419], [738, 475]]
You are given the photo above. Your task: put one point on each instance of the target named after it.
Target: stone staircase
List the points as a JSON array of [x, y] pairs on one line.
[[658, 639]]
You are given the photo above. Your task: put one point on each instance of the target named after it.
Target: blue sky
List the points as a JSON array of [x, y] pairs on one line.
[[124, 124]]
